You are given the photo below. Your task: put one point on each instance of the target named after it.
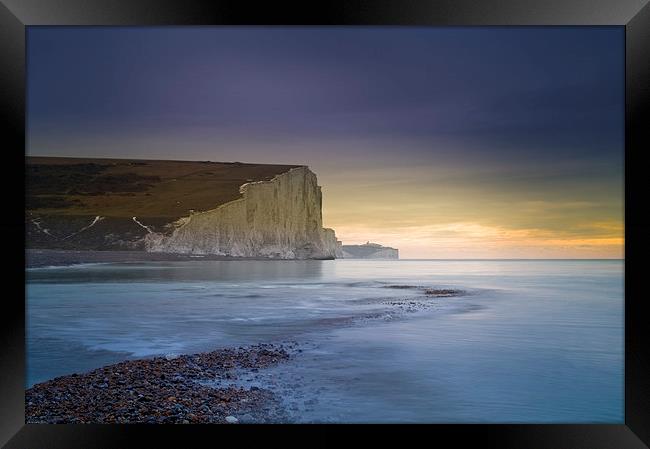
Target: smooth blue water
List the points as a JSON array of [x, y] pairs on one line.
[[531, 341]]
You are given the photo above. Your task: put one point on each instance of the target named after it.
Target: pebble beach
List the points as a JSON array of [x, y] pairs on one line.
[[162, 390]]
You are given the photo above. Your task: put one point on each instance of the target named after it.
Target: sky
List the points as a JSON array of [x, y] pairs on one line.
[[480, 142]]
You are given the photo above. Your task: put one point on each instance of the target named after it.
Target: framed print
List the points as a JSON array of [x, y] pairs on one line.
[[359, 216]]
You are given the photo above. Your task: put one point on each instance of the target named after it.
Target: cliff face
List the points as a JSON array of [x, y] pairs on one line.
[[280, 218], [368, 251]]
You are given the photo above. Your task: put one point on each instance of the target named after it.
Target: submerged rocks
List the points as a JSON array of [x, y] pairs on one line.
[[443, 292], [429, 291], [158, 390], [423, 299]]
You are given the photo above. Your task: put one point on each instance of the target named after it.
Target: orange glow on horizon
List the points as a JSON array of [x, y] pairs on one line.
[[473, 240]]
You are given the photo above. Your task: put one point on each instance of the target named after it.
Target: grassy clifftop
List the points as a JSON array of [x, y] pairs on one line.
[[123, 188]]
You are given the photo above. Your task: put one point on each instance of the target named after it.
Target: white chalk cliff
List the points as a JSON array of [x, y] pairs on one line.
[[280, 218], [367, 251]]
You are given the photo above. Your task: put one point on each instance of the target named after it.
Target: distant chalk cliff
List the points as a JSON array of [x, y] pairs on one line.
[[368, 251]]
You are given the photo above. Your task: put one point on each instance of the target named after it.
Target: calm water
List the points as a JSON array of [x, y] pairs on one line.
[[531, 341]]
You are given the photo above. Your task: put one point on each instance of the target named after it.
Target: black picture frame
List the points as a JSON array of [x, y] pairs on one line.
[[634, 15]]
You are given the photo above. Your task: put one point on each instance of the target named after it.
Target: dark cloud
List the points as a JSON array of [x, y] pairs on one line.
[[528, 93]]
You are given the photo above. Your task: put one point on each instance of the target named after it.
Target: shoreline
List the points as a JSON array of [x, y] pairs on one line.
[[163, 390], [42, 258], [221, 386]]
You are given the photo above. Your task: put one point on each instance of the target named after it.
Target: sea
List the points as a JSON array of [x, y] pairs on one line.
[[513, 341]]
